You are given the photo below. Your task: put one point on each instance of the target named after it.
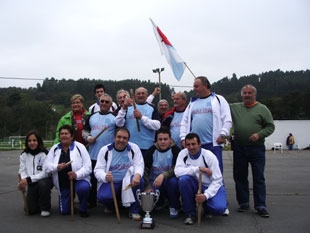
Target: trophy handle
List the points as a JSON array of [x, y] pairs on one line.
[[138, 193], [157, 193]]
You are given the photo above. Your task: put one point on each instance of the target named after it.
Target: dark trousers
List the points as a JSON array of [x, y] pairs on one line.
[[92, 200], [81, 188], [169, 189], [143, 152], [105, 195], [255, 156], [217, 151], [39, 195]]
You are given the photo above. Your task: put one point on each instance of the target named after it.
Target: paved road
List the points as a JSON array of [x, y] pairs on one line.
[[288, 200]]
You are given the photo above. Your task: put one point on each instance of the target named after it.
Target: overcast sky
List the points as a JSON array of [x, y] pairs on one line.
[[114, 40]]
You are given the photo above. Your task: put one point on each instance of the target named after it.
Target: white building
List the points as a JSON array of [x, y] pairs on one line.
[[299, 128]]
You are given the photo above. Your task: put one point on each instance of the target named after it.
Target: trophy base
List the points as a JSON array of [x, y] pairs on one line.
[[147, 225]]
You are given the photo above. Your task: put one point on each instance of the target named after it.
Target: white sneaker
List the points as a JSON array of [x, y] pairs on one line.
[[135, 217], [45, 213], [226, 212], [190, 220], [174, 213]]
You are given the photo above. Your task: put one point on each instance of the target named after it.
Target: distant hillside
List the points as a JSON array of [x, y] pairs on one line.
[[287, 94], [269, 84]]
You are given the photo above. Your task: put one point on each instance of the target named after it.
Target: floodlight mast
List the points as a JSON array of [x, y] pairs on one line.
[[159, 70]]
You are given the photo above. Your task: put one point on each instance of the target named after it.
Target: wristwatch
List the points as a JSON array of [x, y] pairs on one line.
[[223, 136]]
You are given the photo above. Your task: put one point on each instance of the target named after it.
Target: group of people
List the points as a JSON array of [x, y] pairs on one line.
[[135, 145]]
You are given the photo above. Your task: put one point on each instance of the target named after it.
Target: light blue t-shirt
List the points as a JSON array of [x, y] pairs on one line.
[[145, 138], [175, 127], [97, 122], [202, 120], [120, 163], [162, 161]]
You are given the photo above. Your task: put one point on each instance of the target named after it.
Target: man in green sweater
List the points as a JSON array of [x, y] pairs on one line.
[[252, 122]]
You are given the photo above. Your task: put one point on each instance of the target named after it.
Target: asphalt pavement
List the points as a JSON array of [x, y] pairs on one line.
[[288, 201]]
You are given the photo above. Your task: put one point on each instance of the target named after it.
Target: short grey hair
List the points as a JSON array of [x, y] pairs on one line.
[[106, 95], [161, 101], [122, 91], [249, 86]]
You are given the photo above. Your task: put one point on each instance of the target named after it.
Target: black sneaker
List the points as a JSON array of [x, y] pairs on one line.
[[84, 214], [263, 213], [243, 208], [92, 205]]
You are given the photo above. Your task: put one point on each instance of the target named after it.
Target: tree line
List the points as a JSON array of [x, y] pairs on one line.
[[287, 95]]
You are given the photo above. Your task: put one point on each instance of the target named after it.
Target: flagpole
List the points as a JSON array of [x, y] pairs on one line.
[[189, 69]]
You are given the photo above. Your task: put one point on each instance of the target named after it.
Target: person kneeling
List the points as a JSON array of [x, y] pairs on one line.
[[159, 174], [120, 162], [192, 160], [66, 161]]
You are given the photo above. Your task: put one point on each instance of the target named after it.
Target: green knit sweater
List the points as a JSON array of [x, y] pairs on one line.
[[249, 120]]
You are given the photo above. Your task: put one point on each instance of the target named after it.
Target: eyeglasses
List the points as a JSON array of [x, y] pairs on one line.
[[104, 101]]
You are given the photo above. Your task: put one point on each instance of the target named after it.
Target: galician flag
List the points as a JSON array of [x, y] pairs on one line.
[[175, 61]]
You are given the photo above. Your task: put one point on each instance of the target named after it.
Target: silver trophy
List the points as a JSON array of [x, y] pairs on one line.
[[147, 202]]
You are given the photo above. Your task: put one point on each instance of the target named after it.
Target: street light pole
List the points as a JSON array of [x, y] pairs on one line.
[[46, 130], [159, 70]]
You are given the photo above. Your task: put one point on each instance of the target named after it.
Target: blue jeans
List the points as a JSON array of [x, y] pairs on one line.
[[255, 156]]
